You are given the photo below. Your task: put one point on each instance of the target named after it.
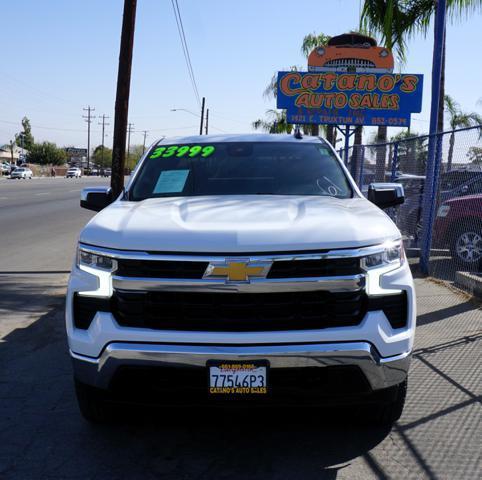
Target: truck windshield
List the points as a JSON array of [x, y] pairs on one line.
[[243, 168]]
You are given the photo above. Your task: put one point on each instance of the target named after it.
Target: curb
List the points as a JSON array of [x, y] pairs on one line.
[[469, 282]]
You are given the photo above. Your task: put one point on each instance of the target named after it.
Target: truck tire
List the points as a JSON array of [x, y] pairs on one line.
[[386, 414], [92, 405]]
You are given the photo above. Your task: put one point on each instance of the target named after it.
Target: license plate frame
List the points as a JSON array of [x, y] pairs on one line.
[[239, 370]]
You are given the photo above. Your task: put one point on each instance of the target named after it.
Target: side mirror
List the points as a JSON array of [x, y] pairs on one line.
[[95, 198], [385, 195]]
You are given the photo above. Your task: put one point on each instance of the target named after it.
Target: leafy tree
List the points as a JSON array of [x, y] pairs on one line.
[[458, 119], [475, 155], [102, 156], [25, 138], [46, 153], [133, 156]]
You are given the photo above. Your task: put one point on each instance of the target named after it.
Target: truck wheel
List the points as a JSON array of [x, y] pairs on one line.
[[466, 245], [386, 414], [92, 405]]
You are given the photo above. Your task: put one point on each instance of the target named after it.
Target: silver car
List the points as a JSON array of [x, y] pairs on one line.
[[73, 172], [21, 172]]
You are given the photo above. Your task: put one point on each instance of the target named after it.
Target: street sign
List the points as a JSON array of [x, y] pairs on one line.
[[350, 98]]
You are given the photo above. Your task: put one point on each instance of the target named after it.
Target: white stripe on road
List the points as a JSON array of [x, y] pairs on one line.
[[43, 193], [3, 198]]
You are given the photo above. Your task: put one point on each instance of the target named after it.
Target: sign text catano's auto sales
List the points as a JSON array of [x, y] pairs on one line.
[[350, 98]]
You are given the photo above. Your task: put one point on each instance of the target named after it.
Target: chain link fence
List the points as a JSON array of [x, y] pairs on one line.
[[456, 241]]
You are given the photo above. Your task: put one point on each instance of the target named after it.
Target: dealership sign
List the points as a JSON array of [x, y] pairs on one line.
[[350, 98]]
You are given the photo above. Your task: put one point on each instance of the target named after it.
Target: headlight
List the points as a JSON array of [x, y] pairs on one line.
[[320, 51], [384, 53], [389, 254], [443, 211], [92, 260]]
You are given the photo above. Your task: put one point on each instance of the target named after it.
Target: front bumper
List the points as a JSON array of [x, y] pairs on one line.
[[380, 372]]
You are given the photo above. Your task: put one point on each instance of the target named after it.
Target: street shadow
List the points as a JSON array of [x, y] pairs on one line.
[[31, 293], [43, 434], [448, 312]]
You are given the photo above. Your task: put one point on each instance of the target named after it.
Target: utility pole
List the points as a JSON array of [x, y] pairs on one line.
[[122, 96], [104, 124], [144, 143], [202, 117], [129, 131], [88, 118], [207, 120]]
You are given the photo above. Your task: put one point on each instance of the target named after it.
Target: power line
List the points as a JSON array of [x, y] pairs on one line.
[[47, 128], [88, 118], [185, 49]]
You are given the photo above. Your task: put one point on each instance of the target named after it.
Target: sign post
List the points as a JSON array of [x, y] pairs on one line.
[[434, 144]]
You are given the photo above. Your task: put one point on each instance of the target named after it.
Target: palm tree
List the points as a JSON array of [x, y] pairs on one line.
[[11, 147], [276, 124], [458, 119], [390, 19], [397, 21], [310, 41]]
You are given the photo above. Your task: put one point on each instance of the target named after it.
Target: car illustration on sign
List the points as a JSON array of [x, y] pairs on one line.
[[351, 52]]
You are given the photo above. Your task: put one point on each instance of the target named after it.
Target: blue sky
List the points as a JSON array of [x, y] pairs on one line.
[[59, 56]]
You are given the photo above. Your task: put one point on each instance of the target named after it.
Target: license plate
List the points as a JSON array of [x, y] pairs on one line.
[[238, 378]]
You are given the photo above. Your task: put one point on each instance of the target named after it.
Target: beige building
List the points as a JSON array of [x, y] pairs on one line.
[[6, 154]]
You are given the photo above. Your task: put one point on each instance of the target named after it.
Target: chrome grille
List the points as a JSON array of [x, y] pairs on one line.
[[350, 62]]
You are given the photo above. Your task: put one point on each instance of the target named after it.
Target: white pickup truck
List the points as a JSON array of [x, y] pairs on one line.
[[241, 268]]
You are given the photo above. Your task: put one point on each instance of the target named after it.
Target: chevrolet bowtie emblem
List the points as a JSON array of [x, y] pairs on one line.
[[237, 270]]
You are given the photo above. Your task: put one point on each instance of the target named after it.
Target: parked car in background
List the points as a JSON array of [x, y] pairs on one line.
[[22, 172], [106, 172], [458, 226], [4, 169], [452, 184], [73, 172], [412, 184]]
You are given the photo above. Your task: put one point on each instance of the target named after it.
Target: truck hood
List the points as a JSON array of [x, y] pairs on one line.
[[235, 224]]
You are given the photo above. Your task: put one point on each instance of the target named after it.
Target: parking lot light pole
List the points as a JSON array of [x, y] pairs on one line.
[[201, 117]]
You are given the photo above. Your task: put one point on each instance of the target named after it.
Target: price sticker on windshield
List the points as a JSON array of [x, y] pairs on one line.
[[180, 151]]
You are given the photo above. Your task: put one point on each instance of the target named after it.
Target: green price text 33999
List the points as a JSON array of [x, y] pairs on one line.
[[182, 151]]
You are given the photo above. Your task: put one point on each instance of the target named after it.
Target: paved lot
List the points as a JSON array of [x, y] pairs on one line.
[[43, 436]]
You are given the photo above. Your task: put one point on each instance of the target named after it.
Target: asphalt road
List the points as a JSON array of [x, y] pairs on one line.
[[40, 220]]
